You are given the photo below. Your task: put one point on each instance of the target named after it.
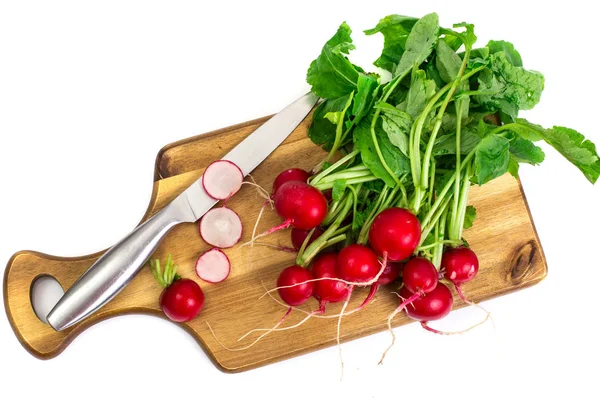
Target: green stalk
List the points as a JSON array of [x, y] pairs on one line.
[[338, 131], [438, 122], [362, 235], [345, 174], [334, 210], [441, 196], [416, 131], [453, 221], [353, 181], [430, 192], [439, 249], [426, 228], [333, 167], [464, 199], [392, 87]]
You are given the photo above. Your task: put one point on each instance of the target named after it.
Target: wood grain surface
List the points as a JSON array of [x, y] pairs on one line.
[[504, 237]]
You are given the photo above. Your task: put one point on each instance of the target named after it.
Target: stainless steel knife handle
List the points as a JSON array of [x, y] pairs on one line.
[[111, 272]]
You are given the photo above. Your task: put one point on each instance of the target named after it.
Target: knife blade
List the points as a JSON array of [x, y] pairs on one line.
[[118, 266]]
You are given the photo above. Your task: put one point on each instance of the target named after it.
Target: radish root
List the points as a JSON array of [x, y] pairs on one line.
[[391, 317], [339, 325], [321, 310], [262, 191], [433, 330], [255, 341]]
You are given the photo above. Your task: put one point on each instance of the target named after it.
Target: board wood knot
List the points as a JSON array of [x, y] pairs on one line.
[[522, 264]]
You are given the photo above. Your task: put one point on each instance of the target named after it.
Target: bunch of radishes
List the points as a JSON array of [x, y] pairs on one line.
[[329, 265]]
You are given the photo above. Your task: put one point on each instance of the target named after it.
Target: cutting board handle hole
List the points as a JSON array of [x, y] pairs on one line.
[[45, 293]]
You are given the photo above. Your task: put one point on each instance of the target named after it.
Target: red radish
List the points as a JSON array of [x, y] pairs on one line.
[[221, 227], [301, 205], [213, 266], [395, 231], [328, 291], [358, 263], [300, 235], [419, 275], [459, 265], [433, 306], [292, 174], [222, 179], [181, 299], [292, 285], [389, 274]]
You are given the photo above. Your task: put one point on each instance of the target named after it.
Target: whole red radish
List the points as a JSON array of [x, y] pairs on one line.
[[301, 291], [395, 231], [292, 174], [301, 205], [328, 291], [459, 265], [357, 263], [181, 299], [300, 235], [432, 306], [419, 275]]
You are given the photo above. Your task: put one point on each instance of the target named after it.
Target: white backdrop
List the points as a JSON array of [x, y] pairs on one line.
[[90, 91]]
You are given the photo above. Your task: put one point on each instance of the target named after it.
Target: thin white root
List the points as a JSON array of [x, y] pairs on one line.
[[473, 304], [430, 329], [339, 325], [275, 329], [391, 331], [262, 191], [255, 341]]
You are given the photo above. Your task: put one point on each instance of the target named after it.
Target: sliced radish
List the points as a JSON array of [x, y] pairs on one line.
[[213, 266], [222, 179], [221, 227]]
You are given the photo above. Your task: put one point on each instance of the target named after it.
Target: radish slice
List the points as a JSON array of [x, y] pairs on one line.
[[213, 266], [222, 179], [221, 227]]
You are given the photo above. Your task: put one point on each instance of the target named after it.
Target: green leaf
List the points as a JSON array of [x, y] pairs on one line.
[[395, 30], [367, 87], [332, 75], [420, 91], [447, 62], [446, 144], [509, 88], [513, 167], [469, 34], [419, 44], [322, 129], [432, 73], [524, 151], [512, 55], [470, 216], [572, 145], [397, 126], [491, 158], [395, 160], [339, 187]]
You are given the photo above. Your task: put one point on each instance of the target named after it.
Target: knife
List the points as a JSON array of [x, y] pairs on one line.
[[117, 267]]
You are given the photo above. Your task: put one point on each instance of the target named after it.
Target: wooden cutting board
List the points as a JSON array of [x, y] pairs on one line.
[[504, 237]]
